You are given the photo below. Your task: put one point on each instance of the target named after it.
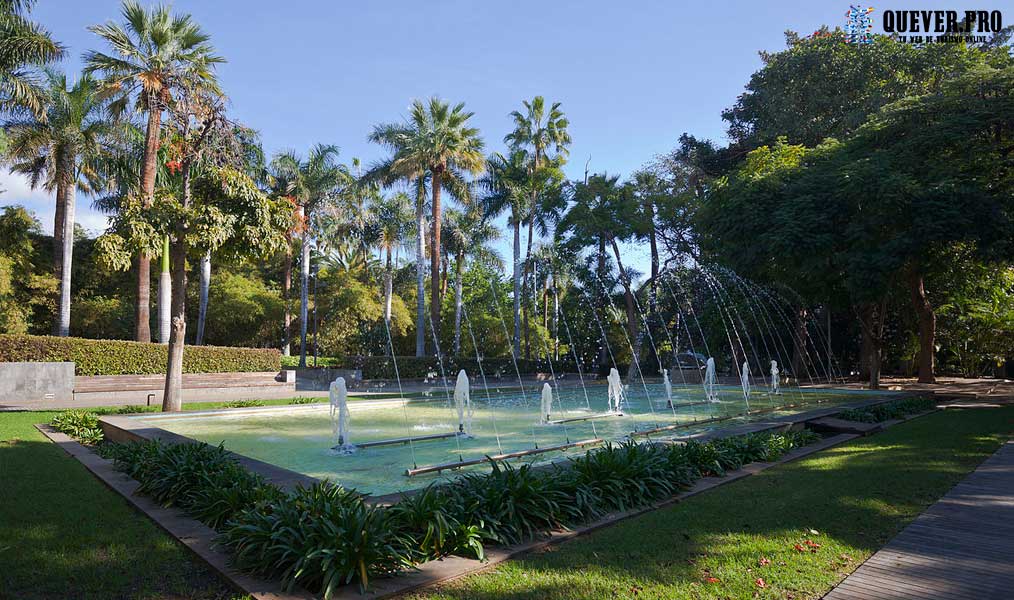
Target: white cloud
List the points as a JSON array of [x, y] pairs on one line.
[[16, 190]]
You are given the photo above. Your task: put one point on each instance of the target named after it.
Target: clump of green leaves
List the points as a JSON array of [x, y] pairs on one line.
[[243, 404], [303, 400], [895, 409], [80, 425]]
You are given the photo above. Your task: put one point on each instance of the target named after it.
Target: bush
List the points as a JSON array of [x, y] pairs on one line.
[[325, 536], [415, 367], [243, 403], [888, 410], [118, 357], [79, 424]]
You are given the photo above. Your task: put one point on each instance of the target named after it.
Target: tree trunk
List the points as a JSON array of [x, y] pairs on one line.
[[304, 296], [604, 350], [142, 308], [59, 226], [420, 271], [526, 285], [66, 261], [871, 320], [927, 326], [632, 328], [388, 287], [435, 257], [799, 345], [165, 292], [459, 264], [202, 308], [172, 396], [516, 342], [286, 298]]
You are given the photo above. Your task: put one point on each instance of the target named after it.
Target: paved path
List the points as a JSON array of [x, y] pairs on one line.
[[962, 547]]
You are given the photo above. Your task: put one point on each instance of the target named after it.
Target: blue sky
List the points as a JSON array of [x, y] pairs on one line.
[[632, 76]]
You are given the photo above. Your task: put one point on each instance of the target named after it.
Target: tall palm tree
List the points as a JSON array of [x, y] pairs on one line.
[[537, 130], [436, 140], [468, 234], [507, 186], [156, 54], [60, 150], [312, 182], [393, 216], [24, 49]]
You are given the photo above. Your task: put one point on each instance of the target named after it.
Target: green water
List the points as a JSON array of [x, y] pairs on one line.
[[505, 420]]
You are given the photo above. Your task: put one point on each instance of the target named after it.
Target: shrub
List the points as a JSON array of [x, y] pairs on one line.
[[887, 410], [79, 424], [119, 357], [243, 403], [319, 538], [430, 521], [415, 367]]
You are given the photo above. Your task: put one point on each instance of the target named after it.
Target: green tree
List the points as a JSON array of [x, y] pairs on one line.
[[468, 234], [59, 150], [393, 216], [313, 183], [24, 49], [156, 55], [436, 140], [25, 290], [537, 131]]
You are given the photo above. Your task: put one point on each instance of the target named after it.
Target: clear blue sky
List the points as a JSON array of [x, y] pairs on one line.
[[632, 76]]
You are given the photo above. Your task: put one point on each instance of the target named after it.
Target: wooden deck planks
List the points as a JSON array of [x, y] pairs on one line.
[[962, 547]]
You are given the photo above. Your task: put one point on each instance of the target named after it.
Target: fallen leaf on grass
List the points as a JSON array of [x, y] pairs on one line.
[[760, 583], [764, 562], [712, 580]]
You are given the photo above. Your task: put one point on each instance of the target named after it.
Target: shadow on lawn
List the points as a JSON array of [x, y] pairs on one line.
[[850, 499], [65, 535]]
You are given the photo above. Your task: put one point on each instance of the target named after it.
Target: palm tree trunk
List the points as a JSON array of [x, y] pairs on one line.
[[632, 328], [202, 308], [458, 272], [517, 288], [435, 257], [525, 284], [172, 396], [420, 270], [286, 294], [66, 201], [388, 287], [165, 291], [604, 348], [58, 236], [142, 308], [304, 296]]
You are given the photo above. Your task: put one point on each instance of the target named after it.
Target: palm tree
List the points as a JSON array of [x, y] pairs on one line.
[[436, 140], [393, 216], [312, 183], [536, 130], [60, 150], [156, 55], [24, 48], [507, 185], [468, 234]]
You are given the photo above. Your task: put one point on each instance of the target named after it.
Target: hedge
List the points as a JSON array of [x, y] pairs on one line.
[[119, 357], [413, 367]]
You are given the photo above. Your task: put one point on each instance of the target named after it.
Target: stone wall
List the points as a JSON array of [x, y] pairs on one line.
[[28, 383]]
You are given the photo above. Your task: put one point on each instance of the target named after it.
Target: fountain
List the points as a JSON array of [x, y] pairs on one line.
[[463, 402], [615, 390], [774, 378], [710, 381], [546, 411], [744, 380], [338, 397], [668, 388]]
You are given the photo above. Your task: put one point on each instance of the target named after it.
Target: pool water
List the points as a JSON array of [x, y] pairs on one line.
[[505, 420]]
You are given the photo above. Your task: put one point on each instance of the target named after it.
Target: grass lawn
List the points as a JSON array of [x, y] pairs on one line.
[[63, 535], [849, 500]]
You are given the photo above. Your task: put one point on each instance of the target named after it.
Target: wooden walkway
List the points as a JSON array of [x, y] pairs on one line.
[[962, 547]]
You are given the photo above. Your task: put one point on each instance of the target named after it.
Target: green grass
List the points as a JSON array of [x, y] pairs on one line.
[[65, 535], [850, 500]]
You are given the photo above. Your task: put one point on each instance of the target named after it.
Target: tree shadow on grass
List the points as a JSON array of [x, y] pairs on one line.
[[849, 500], [65, 535]]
